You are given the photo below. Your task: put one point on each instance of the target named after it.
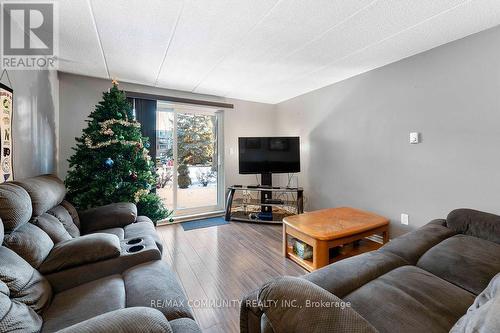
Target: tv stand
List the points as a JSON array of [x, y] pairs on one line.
[[266, 180], [263, 204]]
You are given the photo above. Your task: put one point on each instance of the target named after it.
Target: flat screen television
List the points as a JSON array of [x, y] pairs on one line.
[[267, 155]]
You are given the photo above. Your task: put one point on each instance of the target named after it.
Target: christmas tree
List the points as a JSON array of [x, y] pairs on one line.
[[111, 162]]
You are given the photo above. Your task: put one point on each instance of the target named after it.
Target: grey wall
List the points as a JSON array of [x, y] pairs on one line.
[[355, 135], [79, 95], [247, 119], [35, 122]]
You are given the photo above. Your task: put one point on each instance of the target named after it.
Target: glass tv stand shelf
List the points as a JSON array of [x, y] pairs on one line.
[[263, 204]]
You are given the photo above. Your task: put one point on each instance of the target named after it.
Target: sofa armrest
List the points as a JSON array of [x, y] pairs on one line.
[[296, 305], [109, 216], [475, 223], [441, 222], [128, 320], [81, 250], [250, 313]]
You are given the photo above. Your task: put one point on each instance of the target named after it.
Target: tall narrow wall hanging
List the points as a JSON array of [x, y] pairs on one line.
[[6, 154]]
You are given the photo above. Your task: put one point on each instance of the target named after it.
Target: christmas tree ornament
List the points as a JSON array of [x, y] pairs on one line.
[[108, 163], [147, 145], [139, 194], [105, 124], [109, 143], [88, 142], [108, 131], [133, 176]]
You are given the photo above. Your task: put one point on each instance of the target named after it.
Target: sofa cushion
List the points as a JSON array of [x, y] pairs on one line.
[[80, 251], [475, 223], [66, 219], [468, 262], [83, 302], [46, 191], [411, 246], [139, 229], [52, 227], [118, 232], [409, 299], [16, 316], [344, 276], [24, 283], [31, 243], [149, 282], [113, 215], [72, 212], [127, 320], [483, 314], [15, 206]]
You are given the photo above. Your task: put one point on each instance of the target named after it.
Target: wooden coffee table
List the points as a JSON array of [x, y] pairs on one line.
[[327, 228]]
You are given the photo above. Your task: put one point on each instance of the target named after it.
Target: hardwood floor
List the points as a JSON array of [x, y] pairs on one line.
[[221, 264]]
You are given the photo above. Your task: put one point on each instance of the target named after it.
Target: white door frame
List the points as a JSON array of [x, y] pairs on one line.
[[219, 137]]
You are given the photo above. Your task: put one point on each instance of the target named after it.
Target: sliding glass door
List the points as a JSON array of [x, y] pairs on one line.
[[189, 159]]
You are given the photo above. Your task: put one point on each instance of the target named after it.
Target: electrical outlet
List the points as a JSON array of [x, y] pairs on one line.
[[414, 137], [404, 219]]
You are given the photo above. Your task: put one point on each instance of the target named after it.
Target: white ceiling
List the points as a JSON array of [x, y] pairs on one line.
[[259, 50]]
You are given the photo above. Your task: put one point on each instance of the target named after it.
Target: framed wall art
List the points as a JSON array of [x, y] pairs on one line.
[[6, 154]]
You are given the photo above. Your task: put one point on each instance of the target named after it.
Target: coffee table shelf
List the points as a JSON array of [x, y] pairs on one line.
[[364, 245], [305, 263]]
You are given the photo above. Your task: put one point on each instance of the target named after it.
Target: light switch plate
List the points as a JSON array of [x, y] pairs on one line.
[[414, 137], [405, 219]]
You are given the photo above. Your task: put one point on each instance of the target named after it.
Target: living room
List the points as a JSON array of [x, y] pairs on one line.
[[250, 166]]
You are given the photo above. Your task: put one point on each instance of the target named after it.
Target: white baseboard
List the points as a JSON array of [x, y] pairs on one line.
[[192, 217]]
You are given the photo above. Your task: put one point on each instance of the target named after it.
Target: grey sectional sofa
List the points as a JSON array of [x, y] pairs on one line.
[[423, 281], [91, 271]]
